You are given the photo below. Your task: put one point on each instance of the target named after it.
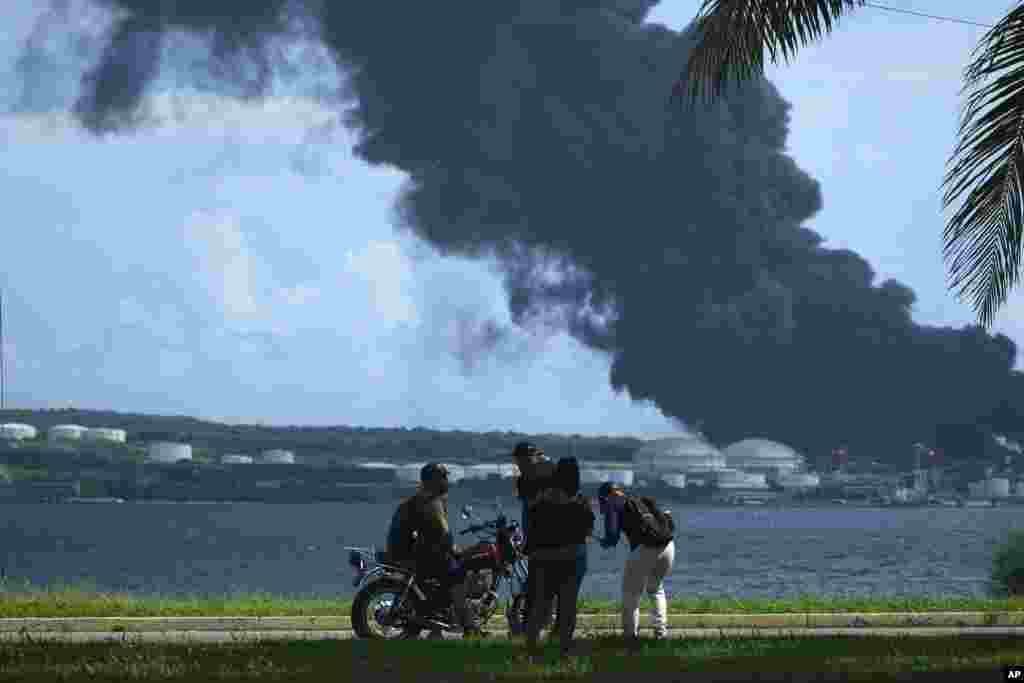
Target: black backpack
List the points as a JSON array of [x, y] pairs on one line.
[[649, 524]]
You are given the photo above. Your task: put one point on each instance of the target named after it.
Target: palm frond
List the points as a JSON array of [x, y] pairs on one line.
[[982, 241], [733, 35]]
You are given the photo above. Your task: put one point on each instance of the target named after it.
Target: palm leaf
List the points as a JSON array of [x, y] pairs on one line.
[[733, 35], [982, 240]]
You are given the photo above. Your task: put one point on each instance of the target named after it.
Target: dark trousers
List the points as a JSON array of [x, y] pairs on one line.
[[581, 571], [553, 579]]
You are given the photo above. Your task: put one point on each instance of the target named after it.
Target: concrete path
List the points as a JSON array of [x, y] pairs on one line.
[[247, 636], [586, 622]]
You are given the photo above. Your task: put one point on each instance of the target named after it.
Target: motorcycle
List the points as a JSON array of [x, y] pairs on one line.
[[392, 602]]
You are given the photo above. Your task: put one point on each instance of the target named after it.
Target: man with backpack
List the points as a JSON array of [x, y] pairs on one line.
[[560, 521], [419, 535], [649, 530]]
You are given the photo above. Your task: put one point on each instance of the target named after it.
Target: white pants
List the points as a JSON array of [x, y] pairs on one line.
[[646, 569]]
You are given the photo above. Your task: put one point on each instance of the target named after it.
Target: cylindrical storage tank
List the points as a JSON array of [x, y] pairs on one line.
[[735, 479], [96, 434], [674, 480], [65, 433], [799, 480], [599, 476], [482, 471], [166, 452], [455, 473], [409, 474], [683, 455], [998, 487], [236, 459], [15, 431], [277, 457], [762, 455]]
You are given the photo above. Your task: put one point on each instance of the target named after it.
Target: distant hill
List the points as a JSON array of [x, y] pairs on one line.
[[334, 444]]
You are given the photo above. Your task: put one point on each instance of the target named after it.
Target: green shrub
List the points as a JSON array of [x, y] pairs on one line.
[[1008, 565]]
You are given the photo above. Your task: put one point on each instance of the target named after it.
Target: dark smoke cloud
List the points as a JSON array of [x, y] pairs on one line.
[[540, 131]]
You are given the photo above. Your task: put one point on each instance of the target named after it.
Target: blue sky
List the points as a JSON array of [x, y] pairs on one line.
[[232, 260]]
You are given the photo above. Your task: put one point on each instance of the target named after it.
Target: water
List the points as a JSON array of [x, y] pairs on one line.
[[220, 549]]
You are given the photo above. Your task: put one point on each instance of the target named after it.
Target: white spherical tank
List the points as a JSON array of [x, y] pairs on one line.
[[166, 452], [277, 456], [998, 487], [684, 455], [762, 455], [736, 479], [16, 431], [236, 459], [65, 433], [798, 480], [97, 434]]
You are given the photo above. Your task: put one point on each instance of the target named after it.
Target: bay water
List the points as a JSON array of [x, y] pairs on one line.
[[743, 552]]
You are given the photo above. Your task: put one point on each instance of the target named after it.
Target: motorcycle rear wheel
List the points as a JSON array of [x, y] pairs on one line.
[[373, 602]]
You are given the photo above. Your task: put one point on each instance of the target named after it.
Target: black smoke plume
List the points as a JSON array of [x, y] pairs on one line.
[[542, 132]]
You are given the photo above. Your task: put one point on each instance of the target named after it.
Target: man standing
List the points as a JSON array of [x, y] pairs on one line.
[[650, 559], [560, 521], [536, 473]]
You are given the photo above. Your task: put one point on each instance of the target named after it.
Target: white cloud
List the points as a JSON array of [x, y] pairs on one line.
[[385, 273], [225, 264]]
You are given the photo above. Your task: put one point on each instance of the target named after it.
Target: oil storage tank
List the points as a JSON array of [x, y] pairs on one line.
[[689, 455], [277, 456], [104, 435], [61, 433], [168, 452], [736, 479], [16, 431], [762, 455], [597, 475], [798, 481]]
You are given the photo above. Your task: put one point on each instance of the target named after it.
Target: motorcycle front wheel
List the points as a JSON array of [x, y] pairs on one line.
[[373, 616]]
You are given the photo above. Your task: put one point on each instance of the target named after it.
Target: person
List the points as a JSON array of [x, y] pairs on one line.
[[536, 471], [434, 553], [646, 566], [560, 520]]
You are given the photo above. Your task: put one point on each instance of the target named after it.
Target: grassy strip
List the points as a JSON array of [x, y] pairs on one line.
[[851, 659], [25, 601]]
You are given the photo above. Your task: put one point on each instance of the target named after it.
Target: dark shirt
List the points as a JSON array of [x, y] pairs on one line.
[[435, 542], [614, 516]]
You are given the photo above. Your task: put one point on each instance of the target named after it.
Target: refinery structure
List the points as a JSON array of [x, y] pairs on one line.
[[679, 467]]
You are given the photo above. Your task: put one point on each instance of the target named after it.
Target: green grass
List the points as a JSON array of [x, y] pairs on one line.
[[19, 599], [795, 659]]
